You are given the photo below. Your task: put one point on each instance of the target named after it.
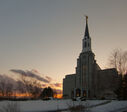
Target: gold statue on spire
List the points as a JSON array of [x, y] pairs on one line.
[[86, 17]]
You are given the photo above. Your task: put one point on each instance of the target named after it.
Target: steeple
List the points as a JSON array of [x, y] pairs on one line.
[[86, 40], [87, 29]]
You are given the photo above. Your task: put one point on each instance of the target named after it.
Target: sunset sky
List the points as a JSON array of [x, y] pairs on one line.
[[46, 35]]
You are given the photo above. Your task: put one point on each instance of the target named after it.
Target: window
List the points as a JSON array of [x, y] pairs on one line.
[[85, 44], [88, 44]]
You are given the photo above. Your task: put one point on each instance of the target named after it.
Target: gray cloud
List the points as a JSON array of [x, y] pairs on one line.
[[30, 74], [21, 72]]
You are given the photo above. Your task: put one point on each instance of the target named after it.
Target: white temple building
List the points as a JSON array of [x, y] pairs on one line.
[[89, 80]]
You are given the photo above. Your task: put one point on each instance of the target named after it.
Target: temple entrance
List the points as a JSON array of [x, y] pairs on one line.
[[84, 93], [78, 92]]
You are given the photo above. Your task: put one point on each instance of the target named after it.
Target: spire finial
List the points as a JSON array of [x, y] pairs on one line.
[[86, 17], [86, 30], [86, 40]]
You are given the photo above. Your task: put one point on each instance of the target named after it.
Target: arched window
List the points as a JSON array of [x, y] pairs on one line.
[[78, 92], [84, 93]]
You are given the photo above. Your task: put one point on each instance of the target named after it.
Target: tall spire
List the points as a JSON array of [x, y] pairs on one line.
[[86, 40], [87, 30]]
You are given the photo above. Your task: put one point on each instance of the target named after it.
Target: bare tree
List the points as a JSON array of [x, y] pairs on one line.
[[33, 88], [9, 89], [30, 86], [2, 86], [118, 60], [6, 87], [20, 87]]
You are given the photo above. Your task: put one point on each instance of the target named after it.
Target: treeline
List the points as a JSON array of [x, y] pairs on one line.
[[45, 94], [122, 90], [23, 89], [118, 60]]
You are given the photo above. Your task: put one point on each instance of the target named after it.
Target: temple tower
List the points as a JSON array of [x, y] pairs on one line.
[[85, 66]]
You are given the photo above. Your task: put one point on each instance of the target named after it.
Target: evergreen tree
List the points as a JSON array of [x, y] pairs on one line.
[[46, 93]]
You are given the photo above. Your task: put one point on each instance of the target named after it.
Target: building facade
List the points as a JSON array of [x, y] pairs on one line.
[[89, 80]]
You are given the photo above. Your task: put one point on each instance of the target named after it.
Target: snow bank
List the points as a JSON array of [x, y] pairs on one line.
[[39, 105], [111, 107]]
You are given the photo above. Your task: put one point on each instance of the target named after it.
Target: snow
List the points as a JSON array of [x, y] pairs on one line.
[[95, 105], [111, 107]]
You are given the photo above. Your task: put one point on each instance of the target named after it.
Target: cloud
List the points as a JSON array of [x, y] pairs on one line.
[[35, 71], [19, 72], [49, 78], [33, 74], [58, 84], [46, 80], [55, 85], [44, 85]]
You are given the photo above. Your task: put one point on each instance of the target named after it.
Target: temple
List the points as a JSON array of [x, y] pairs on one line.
[[90, 81]]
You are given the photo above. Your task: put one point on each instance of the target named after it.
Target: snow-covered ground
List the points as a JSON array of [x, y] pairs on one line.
[[95, 105]]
